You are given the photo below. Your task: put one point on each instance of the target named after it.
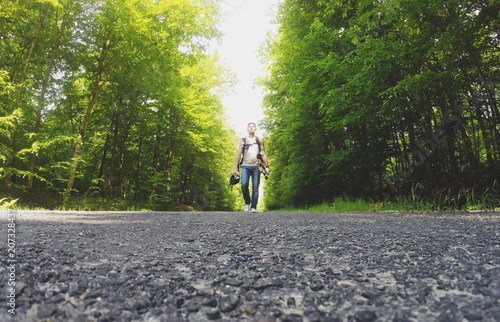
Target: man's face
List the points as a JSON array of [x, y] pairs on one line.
[[251, 128]]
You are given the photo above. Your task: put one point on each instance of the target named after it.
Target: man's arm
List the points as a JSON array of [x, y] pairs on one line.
[[238, 157], [264, 156], [264, 159]]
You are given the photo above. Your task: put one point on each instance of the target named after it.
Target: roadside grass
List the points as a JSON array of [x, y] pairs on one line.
[[464, 200], [88, 203], [76, 203], [402, 204], [93, 203]]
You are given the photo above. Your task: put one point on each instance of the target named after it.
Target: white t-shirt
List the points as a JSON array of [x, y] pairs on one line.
[[251, 152]]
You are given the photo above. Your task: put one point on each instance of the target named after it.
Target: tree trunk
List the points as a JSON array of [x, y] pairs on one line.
[[41, 101], [114, 152], [491, 90], [96, 89], [104, 153], [484, 134], [156, 153], [138, 167], [121, 161], [467, 146]]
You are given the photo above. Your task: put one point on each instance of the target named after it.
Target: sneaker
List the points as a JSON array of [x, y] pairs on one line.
[[254, 210], [246, 208]]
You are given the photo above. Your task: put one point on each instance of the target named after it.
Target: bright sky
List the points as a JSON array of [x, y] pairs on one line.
[[245, 26]]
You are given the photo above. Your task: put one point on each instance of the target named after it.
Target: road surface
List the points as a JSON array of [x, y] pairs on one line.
[[186, 266]]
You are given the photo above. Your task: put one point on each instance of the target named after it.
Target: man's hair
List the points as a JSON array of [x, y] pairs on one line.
[[251, 123]]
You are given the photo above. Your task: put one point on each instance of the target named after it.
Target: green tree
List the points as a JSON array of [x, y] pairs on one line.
[[367, 97], [120, 99]]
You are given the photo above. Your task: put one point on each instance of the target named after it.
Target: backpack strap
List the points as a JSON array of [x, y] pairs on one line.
[[258, 143], [244, 147]]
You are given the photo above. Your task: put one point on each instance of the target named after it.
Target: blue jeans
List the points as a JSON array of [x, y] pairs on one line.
[[246, 173]]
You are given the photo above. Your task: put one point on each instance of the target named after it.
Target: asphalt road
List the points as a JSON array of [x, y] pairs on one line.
[[154, 266]]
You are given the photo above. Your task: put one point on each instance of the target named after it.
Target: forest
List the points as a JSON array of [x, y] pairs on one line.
[[115, 99], [119, 102], [378, 99]]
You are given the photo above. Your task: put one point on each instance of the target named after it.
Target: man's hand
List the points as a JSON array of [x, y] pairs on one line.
[[266, 171]]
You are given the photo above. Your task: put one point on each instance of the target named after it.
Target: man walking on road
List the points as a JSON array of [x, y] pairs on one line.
[[252, 154]]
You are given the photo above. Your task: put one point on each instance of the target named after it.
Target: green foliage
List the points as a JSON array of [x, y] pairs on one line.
[[114, 102], [366, 98], [7, 203]]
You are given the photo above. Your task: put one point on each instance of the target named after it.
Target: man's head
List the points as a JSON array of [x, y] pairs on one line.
[[251, 128]]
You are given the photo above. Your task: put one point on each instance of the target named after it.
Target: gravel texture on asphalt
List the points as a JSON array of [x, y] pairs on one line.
[[154, 266]]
